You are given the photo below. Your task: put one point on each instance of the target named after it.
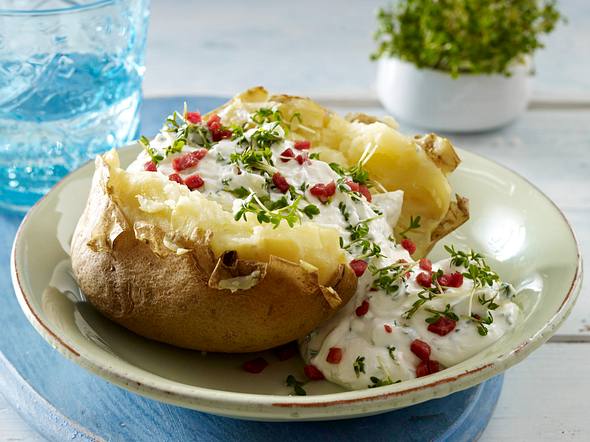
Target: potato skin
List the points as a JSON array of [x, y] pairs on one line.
[[172, 298]]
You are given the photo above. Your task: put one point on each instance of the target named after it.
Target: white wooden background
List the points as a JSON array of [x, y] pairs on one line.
[[320, 48]]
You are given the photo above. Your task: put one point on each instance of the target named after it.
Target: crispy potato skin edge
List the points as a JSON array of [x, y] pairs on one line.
[[173, 298]]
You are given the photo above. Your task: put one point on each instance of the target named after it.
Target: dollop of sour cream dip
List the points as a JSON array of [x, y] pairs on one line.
[[407, 318]]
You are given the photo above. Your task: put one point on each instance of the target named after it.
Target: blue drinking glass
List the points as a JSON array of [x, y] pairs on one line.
[[70, 88]]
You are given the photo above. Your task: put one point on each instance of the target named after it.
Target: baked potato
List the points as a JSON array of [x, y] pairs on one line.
[[175, 264]]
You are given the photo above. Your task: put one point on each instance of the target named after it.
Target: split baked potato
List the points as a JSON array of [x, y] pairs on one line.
[[177, 267]]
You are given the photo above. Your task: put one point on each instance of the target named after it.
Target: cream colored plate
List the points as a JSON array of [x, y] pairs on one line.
[[523, 234]]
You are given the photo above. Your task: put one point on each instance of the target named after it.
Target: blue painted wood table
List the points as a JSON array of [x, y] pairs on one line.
[[64, 402]]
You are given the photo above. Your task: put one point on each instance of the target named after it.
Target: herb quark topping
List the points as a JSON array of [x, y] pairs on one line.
[[270, 179]]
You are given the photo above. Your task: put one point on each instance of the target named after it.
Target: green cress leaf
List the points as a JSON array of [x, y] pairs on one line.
[[240, 192], [311, 210], [359, 365], [478, 269], [423, 297], [377, 382], [447, 313], [153, 153], [291, 381], [414, 224], [481, 323], [391, 350]]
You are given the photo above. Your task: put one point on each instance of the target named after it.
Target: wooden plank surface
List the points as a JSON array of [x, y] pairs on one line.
[[544, 399], [12, 427], [318, 48]]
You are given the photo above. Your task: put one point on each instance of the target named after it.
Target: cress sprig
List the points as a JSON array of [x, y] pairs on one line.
[[477, 269], [448, 312], [359, 238], [183, 133], [356, 173], [381, 382], [389, 278], [414, 224], [482, 323], [273, 211]]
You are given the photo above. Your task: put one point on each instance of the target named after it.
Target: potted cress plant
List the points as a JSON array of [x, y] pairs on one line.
[[459, 65]]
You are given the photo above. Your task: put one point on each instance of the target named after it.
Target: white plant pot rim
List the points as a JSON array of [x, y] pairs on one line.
[[433, 99], [527, 64]]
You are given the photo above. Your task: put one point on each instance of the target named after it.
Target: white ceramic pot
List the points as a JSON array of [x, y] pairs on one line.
[[434, 100]]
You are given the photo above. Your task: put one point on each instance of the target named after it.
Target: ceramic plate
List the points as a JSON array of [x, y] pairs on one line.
[[523, 234]]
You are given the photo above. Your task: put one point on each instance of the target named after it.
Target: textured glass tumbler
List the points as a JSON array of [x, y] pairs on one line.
[[70, 87]]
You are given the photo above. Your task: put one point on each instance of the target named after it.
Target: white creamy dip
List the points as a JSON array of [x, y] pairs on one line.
[[372, 344], [387, 355]]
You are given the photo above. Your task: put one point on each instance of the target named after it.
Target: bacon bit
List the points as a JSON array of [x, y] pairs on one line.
[[255, 365], [214, 126], [425, 264], [360, 188], [217, 131], [285, 352], [280, 182], [451, 280], [188, 160], [420, 349], [334, 355], [200, 153], [150, 166], [444, 280], [433, 367], [443, 326], [388, 328], [194, 181], [218, 135], [302, 145], [353, 186], [427, 367], [456, 279], [313, 373], [362, 309], [177, 178], [193, 117], [286, 155], [213, 119], [331, 188], [409, 245], [301, 159], [323, 192], [422, 369], [424, 279], [364, 191], [358, 266]]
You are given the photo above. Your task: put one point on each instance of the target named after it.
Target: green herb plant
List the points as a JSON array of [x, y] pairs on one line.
[[464, 36]]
